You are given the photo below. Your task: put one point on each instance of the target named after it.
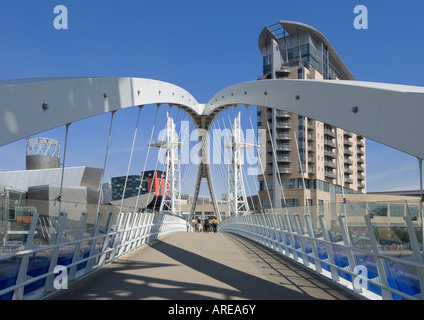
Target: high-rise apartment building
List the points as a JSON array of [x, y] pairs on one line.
[[332, 160]]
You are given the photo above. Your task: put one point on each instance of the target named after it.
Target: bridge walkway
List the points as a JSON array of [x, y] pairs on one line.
[[200, 266]]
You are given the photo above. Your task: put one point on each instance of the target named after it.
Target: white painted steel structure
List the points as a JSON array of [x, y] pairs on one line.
[[389, 114], [31, 106], [237, 205], [300, 242], [171, 199], [107, 241]]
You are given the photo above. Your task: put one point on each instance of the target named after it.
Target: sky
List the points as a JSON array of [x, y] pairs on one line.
[[203, 47]]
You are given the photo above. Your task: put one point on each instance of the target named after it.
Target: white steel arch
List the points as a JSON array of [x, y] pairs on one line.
[[31, 106], [387, 113]]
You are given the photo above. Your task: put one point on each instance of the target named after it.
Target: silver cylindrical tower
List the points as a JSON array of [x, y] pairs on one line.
[[42, 153]]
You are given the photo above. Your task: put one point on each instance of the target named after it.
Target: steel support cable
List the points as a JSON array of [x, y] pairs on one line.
[[59, 198], [262, 168], [246, 175], [190, 164], [105, 161], [274, 152], [341, 177], [147, 157], [131, 155], [156, 166], [256, 143], [301, 168], [226, 162], [221, 172]]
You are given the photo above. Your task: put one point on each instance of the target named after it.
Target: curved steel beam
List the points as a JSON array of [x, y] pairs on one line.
[[386, 113], [31, 106], [390, 114]]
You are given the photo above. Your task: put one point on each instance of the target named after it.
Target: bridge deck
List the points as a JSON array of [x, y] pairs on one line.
[[200, 266]]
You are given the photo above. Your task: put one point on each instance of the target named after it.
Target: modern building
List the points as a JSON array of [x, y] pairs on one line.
[[314, 160], [153, 182]]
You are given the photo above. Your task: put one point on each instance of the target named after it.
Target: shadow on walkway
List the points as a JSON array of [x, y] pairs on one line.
[[176, 268]]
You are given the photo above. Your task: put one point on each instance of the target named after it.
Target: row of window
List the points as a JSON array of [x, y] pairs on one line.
[[313, 184]]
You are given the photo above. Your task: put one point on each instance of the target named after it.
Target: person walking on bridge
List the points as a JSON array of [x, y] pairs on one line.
[[214, 224], [206, 225]]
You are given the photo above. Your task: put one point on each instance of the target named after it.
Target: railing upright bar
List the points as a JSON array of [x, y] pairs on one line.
[[80, 235], [416, 250], [48, 287], [23, 266]]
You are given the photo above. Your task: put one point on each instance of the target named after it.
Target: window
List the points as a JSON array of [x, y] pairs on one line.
[[378, 209], [396, 210]]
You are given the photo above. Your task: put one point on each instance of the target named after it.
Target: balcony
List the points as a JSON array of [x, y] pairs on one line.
[[330, 133], [284, 125], [282, 114], [330, 164], [311, 137], [360, 151], [330, 174], [283, 147], [330, 154], [348, 180], [348, 143], [348, 161], [348, 152], [330, 143], [361, 168], [283, 136], [348, 171], [285, 170], [348, 134], [284, 159], [361, 177]]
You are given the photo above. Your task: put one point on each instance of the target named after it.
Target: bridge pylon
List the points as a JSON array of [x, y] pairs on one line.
[[171, 199], [237, 200]]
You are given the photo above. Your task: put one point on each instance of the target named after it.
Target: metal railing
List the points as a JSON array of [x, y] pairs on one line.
[[57, 250], [371, 253]]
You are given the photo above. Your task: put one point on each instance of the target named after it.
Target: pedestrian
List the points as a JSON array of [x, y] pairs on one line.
[[214, 224], [188, 226], [206, 225], [199, 224]]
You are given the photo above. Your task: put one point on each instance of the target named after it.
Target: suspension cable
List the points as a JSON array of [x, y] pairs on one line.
[[147, 156], [301, 168], [262, 168], [131, 155], [104, 165], [59, 198], [274, 151]]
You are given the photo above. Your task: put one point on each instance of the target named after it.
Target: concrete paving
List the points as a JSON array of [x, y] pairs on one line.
[[200, 266]]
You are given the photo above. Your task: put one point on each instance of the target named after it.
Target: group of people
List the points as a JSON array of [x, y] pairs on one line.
[[206, 224]]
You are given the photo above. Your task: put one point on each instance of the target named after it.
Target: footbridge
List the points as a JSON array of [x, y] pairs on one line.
[[79, 243]]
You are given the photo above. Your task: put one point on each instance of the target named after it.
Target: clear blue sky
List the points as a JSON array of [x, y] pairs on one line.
[[202, 46]]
